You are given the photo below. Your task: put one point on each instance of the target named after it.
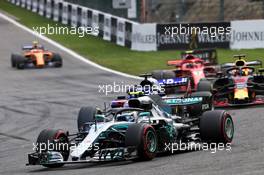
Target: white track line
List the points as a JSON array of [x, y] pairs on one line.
[[69, 51]]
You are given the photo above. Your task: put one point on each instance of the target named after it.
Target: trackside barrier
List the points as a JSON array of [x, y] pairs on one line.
[[111, 28], [148, 37]]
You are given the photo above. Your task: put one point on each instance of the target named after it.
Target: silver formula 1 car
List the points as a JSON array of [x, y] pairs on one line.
[[139, 131]]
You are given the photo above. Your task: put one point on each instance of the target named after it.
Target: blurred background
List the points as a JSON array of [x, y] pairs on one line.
[[169, 11], [132, 33]]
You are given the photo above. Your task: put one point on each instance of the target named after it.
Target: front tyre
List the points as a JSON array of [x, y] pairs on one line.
[[86, 115], [57, 60], [53, 140], [18, 61], [216, 127], [13, 60]]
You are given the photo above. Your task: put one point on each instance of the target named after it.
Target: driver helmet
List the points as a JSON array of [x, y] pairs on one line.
[[245, 72], [189, 65], [35, 44], [149, 86], [155, 88], [128, 117], [189, 57]]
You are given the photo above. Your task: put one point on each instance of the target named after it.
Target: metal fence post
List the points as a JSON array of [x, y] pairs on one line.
[[222, 10]]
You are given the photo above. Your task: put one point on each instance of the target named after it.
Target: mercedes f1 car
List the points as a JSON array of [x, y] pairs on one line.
[[178, 88], [239, 84], [170, 89], [139, 131], [35, 56]]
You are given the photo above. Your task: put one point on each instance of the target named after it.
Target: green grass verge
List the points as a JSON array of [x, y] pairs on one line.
[[110, 55]]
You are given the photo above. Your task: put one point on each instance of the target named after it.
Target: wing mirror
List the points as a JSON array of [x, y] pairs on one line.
[[99, 118]]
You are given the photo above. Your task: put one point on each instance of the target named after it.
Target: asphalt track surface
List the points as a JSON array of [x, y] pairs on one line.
[[32, 100]]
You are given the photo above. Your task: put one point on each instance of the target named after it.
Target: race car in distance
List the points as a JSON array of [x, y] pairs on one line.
[[178, 88], [170, 89], [193, 67], [139, 131], [209, 56], [35, 56], [239, 84]]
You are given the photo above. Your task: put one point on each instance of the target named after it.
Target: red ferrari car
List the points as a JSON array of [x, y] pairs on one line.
[[209, 56], [197, 65], [196, 69]]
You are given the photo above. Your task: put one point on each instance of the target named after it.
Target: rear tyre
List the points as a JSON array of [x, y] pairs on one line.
[[216, 127], [204, 85], [57, 60], [163, 74], [54, 140], [143, 137], [157, 74], [168, 74]]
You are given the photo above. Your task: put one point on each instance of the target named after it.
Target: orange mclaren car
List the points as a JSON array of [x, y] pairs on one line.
[[35, 56]]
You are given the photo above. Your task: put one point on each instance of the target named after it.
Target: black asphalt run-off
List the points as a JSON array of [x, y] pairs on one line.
[[36, 99]]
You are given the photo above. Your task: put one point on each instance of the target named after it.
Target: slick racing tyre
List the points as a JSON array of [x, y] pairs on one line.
[[19, 61], [163, 74], [143, 137], [14, 60], [53, 140], [57, 60], [204, 85], [216, 127], [86, 115]]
